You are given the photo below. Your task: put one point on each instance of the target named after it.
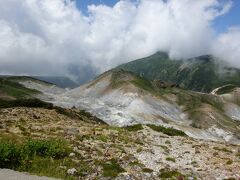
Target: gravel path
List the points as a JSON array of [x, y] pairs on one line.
[[8, 174]]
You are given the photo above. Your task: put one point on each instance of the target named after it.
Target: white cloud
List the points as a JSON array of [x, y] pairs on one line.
[[54, 37], [227, 46]]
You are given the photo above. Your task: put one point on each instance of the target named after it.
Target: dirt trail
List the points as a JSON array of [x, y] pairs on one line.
[[8, 174]]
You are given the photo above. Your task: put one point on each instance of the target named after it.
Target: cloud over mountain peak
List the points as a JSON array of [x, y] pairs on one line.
[[54, 37]]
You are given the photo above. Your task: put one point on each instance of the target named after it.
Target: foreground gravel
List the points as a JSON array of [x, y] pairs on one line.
[[8, 174]]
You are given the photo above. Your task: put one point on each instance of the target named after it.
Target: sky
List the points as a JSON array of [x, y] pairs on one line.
[[232, 18], [221, 24], [80, 38], [83, 4]]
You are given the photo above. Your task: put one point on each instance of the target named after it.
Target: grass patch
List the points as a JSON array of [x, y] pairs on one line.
[[103, 138], [168, 131], [9, 155], [40, 157], [136, 127], [35, 103], [193, 101], [111, 168], [166, 173], [120, 77], [147, 170], [170, 159], [140, 149], [15, 89], [44, 166], [167, 142], [222, 149], [45, 148], [194, 162], [226, 89], [229, 162], [165, 148], [16, 155], [136, 163], [143, 83], [238, 153]]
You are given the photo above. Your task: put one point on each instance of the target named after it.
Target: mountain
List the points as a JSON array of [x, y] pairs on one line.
[[60, 81], [11, 88], [147, 130], [24, 87], [69, 143], [121, 98], [203, 73]]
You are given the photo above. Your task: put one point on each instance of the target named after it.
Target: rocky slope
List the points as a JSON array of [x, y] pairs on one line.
[[22, 87], [122, 98], [99, 151], [96, 150]]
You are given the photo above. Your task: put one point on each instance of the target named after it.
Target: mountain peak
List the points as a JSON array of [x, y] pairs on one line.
[[203, 73]]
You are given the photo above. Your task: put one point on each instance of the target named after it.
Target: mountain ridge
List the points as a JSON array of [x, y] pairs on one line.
[[203, 73], [165, 131], [122, 98]]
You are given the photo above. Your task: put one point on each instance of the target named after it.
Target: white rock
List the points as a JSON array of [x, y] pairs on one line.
[[72, 154], [71, 171], [75, 149]]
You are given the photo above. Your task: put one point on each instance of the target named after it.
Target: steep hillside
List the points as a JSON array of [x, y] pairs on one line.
[[10, 88], [72, 144], [23, 87], [203, 73], [122, 98]]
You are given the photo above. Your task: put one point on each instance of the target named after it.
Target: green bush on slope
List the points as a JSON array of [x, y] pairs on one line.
[[14, 156], [33, 102], [168, 131]]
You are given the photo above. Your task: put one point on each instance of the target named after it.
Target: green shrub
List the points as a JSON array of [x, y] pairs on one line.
[[165, 148], [140, 149], [51, 148], [167, 142], [111, 168], [222, 149], [147, 170], [12, 155], [229, 162], [170, 159], [136, 127], [194, 162], [226, 89], [168, 131], [9, 155], [25, 103], [136, 163], [166, 173]]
